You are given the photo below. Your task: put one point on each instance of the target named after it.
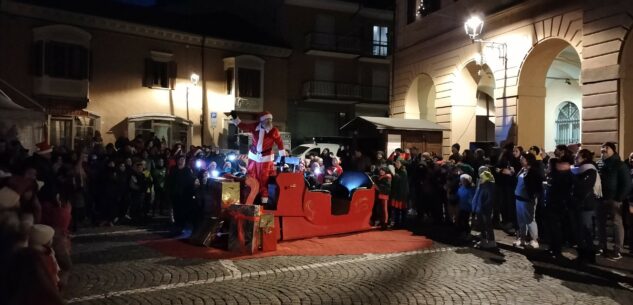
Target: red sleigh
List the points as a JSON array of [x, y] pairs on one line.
[[342, 207]]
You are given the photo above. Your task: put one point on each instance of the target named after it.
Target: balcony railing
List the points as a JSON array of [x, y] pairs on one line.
[[345, 91], [333, 43]]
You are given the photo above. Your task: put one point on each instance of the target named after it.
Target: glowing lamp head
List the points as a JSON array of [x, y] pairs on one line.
[[195, 78], [215, 173], [473, 27]]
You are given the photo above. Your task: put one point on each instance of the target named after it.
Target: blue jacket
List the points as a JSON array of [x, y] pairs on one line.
[[484, 198], [465, 196]]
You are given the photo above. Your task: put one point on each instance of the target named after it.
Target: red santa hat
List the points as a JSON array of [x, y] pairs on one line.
[[265, 115], [44, 148]]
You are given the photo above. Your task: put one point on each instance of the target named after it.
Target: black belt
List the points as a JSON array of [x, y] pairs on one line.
[[263, 152]]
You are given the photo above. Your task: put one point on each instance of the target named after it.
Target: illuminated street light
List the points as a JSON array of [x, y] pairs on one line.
[[473, 27], [195, 78]]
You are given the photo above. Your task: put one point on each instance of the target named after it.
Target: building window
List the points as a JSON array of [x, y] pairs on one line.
[[159, 74], [61, 60], [429, 6], [61, 132], [169, 130], [249, 81], [568, 124], [245, 82], [380, 44], [84, 130], [75, 132]]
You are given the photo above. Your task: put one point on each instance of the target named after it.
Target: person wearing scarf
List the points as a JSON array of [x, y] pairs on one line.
[[586, 191]]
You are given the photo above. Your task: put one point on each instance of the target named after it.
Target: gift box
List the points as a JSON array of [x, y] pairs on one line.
[[244, 229], [268, 238], [225, 193], [206, 232]]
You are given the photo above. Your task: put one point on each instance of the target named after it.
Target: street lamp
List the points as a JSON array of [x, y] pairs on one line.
[[194, 81], [473, 26]]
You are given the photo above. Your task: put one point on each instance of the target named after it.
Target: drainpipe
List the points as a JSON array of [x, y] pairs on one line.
[[205, 106]]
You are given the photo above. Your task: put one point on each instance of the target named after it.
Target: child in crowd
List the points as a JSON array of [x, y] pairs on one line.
[[483, 202], [465, 195], [384, 188]]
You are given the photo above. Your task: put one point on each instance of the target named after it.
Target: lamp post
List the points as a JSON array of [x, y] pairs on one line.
[[194, 81], [473, 27]]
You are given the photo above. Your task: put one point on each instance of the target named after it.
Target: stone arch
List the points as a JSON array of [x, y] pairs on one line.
[[420, 98], [472, 106], [532, 91]]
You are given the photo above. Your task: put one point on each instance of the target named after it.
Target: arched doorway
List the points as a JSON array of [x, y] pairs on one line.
[[473, 109], [626, 98], [550, 75], [420, 99]]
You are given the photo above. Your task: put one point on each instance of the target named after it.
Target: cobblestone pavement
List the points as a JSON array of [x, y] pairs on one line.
[[112, 268]]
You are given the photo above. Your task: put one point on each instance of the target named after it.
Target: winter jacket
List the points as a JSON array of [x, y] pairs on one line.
[[400, 185], [616, 182], [483, 199], [560, 189], [532, 185], [583, 197], [465, 195]]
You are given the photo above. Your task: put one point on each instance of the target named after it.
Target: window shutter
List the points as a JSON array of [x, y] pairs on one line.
[[36, 58], [148, 77]]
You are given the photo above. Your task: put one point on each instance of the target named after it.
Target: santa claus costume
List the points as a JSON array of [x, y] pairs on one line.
[[260, 154]]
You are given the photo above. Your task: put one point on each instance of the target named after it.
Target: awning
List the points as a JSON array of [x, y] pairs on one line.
[[7, 103], [394, 124], [157, 116]]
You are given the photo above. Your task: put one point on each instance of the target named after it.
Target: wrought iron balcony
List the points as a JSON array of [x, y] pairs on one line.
[[329, 90], [332, 43]]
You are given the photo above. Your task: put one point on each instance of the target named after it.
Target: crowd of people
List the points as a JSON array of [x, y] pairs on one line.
[[52, 193], [565, 199]]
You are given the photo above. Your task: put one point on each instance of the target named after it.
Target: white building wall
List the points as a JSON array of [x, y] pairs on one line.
[[559, 92]]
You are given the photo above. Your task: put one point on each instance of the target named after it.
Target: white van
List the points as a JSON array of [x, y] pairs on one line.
[[304, 150]]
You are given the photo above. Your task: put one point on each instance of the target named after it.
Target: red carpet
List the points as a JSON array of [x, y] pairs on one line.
[[358, 243]]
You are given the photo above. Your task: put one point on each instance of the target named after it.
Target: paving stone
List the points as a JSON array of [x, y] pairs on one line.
[[129, 273]]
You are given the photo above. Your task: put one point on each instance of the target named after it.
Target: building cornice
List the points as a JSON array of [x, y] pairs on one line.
[[345, 7], [107, 24]]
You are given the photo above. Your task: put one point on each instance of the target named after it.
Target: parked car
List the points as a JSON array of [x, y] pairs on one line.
[[304, 150]]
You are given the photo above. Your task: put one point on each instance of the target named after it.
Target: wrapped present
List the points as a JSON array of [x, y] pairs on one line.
[[230, 193], [224, 193], [267, 232], [206, 232], [244, 228]]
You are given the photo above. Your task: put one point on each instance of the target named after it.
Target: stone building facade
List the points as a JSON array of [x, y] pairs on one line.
[[541, 72]]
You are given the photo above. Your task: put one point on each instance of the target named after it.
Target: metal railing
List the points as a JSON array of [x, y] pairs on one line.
[[345, 91], [333, 42]]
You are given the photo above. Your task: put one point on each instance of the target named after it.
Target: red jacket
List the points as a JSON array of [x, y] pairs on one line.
[[262, 149]]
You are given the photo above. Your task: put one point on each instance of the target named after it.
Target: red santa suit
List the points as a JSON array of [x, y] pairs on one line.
[[260, 154]]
